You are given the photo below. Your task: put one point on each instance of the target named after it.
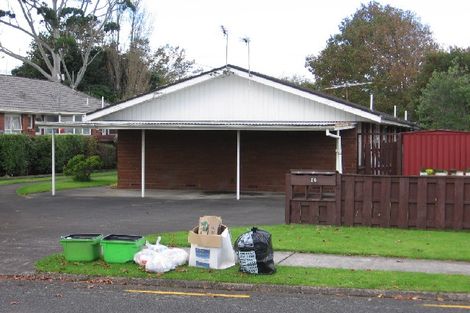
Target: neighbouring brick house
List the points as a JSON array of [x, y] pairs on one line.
[[25, 101], [230, 129]]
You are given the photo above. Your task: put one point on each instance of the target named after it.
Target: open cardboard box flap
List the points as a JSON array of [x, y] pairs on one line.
[[208, 241]]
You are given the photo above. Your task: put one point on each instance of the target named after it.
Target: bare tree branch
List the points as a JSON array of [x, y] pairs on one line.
[[21, 58], [61, 35]]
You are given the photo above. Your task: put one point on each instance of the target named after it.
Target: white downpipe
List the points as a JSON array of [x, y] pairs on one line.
[[142, 183], [53, 162], [238, 165], [339, 150]]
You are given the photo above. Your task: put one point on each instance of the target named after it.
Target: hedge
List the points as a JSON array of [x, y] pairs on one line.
[[22, 155]]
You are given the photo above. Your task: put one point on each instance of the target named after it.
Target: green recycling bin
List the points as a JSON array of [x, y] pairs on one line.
[[81, 247], [121, 248]]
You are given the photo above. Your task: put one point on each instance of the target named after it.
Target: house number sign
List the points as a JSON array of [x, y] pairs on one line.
[[313, 179]]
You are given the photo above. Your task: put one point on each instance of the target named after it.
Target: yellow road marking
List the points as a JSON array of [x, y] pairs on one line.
[[194, 294], [448, 306]]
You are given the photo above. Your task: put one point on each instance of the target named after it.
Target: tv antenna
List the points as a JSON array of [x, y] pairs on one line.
[[225, 32], [347, 85], [247, 41]]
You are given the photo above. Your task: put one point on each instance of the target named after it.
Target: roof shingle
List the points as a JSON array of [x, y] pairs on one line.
[[19, 94]]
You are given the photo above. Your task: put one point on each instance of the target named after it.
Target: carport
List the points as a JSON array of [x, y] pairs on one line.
[[232, 132], [230, 129]]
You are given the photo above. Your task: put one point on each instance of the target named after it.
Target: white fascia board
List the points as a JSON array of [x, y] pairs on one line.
[[386, 122], [150, 126], [304, 94], [19, 111], [149, 96]]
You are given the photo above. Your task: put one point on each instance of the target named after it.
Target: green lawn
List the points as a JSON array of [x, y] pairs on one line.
[[392, 242], [22, 180], [63, 182], [284, 276]]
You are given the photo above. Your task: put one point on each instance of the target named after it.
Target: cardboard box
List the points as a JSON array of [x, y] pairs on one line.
[[211, 251], [209, 225]]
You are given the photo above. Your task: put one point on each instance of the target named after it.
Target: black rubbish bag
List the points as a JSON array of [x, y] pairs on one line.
[[254, 250]]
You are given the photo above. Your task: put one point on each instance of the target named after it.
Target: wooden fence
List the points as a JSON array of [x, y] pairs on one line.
[[386, 201]]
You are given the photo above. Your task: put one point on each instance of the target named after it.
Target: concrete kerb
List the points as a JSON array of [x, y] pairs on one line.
[[260, 288]]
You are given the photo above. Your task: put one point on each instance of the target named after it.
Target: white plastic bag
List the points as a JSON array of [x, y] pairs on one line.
[[159, 258], [143, 256], [159, 264], [157, 247], [177, 256]]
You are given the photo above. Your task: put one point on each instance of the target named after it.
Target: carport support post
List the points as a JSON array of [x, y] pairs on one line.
[[53, 162], [238, 165], [143, 165]]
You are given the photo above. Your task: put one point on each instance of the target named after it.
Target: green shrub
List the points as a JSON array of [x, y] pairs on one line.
[[107, 153], [81, 167], [40, 161], [68, 146], [14, 155], [23, 155]]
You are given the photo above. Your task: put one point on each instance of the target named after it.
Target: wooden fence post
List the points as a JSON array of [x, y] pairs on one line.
[[403, 202], [458, 203], [338, 193], [421, 205], [440, 209], [288, 199], [399, 164]]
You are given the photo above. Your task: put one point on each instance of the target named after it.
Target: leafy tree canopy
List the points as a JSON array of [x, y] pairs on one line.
[[379, 44], [445, 102]]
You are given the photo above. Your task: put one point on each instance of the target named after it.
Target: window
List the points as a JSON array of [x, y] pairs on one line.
[[39, 118], [50, 118], [12, 123], [66, 118], [83, 131]]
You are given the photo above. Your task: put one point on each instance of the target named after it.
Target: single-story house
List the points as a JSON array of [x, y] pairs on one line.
[[25, 101], [232, 129]]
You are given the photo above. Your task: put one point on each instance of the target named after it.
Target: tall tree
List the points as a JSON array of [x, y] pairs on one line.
[[136, 62], [379, 44], [170, 64], [58, 26], [445, 102], [442, 61]]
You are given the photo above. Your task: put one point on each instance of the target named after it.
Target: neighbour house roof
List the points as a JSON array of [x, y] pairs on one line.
[[25, 95], [232, 97]]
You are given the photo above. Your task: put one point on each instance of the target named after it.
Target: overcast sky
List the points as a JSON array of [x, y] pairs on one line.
[[282, 33]]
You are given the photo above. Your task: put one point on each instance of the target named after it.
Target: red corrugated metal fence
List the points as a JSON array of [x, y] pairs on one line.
[[445, 150]]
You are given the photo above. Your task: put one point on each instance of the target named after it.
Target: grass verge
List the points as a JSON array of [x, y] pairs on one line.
[[386, 242], [23, 180], [97, 179], [293, 276]]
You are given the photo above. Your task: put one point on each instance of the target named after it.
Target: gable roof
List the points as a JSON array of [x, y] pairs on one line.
[[26, 95], [319, 97]]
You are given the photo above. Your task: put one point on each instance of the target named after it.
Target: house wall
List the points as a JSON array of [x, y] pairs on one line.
[[233, 98], [25, 119], [207, 159]]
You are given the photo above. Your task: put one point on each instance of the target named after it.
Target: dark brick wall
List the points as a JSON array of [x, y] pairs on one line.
[[25, 129], [207, 159], [2, 123]]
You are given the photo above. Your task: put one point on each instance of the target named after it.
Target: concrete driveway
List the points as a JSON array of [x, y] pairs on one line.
[[30, 227]]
